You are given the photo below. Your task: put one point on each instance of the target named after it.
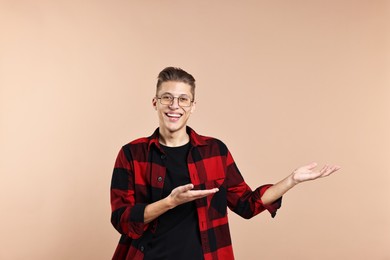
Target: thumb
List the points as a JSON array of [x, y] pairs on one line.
[[188, 187], [311, 165], [183, 188]]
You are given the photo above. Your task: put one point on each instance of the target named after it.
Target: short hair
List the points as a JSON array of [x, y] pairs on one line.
[[176, 74]]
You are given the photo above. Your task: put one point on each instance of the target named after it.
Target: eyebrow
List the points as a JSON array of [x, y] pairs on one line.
[[173, 95]]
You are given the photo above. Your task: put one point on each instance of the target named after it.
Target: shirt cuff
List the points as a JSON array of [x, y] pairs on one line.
[[274, 206], [137, 226], [137, 213]]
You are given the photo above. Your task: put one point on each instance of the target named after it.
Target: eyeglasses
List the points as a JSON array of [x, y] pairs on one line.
[[168, 99]]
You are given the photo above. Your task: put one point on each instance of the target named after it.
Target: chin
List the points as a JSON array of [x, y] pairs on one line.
[[173, 129]]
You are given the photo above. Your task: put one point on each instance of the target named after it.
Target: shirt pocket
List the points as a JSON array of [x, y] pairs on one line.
[[217, 205]]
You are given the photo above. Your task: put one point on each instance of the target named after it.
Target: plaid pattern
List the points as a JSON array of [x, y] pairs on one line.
[[138, 180]]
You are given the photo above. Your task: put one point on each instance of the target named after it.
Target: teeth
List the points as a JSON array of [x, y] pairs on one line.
[[174, 115]]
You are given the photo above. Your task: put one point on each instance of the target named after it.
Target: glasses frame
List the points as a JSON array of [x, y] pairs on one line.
[[173, 100]]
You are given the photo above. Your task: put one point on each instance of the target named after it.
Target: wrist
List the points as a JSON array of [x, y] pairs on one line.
[[169, 202], [292, 181]]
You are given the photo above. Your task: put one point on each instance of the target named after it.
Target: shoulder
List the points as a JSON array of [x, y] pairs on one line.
[[212, 140], [213, 145], [142, 141], [139, 141], [136, 143], [203, 140], [137, 149]]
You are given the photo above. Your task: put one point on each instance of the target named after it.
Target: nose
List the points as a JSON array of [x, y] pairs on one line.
[[175, 103]]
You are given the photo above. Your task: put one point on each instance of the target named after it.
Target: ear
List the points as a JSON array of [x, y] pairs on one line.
[[154, 103]]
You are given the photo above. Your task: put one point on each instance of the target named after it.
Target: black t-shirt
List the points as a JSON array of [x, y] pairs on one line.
[[177, 236]]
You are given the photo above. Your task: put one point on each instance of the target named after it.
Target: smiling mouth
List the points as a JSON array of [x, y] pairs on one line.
[[173, 116]]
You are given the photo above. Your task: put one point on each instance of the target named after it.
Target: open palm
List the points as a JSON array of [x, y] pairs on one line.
[[308, 172]]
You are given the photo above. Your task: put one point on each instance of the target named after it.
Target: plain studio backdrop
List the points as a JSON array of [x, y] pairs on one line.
[[282, 83]]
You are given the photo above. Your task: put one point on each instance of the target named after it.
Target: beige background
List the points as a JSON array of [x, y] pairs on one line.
[[282, 83]]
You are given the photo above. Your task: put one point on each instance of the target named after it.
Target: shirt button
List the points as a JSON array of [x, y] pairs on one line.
[[142, 248], [163, 156], [159, 179]]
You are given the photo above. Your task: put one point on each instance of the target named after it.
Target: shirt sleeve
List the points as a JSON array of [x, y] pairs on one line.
[[271, 208], [127, 216], [241, 199]]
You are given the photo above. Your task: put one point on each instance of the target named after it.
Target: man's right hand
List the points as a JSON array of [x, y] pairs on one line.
[[184, 194], [179, 195]]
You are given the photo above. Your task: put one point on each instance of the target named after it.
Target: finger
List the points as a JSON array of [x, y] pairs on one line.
[[189, 186], [335, 168], [329, 170], [185, 188], [310, 166], [324, 169], [338, 167], [203, 193]]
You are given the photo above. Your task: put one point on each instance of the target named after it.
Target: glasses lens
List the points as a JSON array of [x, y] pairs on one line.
[[184, 101], [166, 99]]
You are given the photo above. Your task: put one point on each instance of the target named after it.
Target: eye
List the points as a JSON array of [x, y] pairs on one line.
[[184, 99], [166, 97]]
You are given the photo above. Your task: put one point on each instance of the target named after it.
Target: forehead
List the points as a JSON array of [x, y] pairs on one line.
[[175, 88]]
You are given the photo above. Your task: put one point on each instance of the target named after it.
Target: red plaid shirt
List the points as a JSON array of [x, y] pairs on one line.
[[138, 180]]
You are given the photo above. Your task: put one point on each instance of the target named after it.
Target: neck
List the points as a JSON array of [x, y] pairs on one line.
[[174, 139]]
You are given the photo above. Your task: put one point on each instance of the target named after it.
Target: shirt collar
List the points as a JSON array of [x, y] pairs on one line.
[[195, 139]]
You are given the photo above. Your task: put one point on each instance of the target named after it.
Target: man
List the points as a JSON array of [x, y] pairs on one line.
[[170, 191]]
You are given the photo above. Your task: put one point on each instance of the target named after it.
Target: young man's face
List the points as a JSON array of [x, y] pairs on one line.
[[173, 116]]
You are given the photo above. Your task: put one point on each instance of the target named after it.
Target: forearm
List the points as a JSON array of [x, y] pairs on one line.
[[156, 209], [278, 190]]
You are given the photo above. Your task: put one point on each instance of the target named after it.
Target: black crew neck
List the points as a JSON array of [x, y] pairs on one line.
[[175, 147]]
